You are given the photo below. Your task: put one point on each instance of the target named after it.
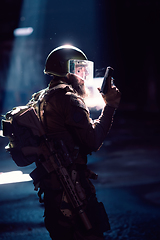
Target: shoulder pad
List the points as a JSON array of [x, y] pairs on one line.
[[77, 101]]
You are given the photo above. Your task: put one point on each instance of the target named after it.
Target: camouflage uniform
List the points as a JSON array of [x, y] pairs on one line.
[[66, 117]]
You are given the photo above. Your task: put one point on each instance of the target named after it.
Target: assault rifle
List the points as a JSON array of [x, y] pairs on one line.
[[52, 161]]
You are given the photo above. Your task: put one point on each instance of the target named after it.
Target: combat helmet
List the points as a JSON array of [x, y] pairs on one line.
[[66, 59]]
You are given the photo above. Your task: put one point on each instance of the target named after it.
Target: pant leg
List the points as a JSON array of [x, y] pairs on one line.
[[61, 227], [58, 226]]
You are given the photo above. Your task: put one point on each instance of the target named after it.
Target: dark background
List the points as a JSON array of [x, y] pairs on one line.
[[123, 34]]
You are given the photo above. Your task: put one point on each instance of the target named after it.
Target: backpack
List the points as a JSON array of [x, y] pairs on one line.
[[24, 129], [21, 126]]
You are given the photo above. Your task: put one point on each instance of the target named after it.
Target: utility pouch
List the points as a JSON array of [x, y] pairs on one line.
[[97, 215], [38, 174]]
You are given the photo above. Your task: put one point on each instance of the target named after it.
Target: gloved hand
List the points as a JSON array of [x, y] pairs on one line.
[[113, 95]]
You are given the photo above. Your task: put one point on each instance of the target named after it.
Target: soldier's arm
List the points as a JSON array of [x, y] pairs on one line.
[[90, 133]]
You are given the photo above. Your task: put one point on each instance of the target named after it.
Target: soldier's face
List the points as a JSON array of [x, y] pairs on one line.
[[78, 84], [81, 72]]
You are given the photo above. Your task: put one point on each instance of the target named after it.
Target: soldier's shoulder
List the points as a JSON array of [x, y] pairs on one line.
[[76, 100]]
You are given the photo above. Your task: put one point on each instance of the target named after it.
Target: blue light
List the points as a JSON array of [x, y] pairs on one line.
[[23, 31]]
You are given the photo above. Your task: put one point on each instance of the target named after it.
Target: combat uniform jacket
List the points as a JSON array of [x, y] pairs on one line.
[[66, 117]]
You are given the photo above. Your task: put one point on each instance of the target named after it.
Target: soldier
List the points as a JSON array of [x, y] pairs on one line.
[[66, 117]]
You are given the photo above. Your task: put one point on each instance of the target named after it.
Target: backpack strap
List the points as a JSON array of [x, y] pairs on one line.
[[45, 96]]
